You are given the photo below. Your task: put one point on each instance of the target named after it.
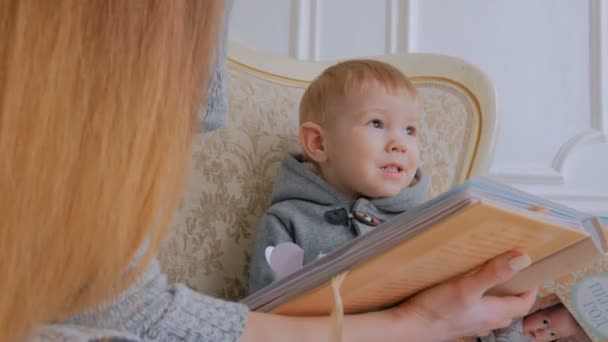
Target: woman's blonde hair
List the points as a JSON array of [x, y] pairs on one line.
[[97, 108]]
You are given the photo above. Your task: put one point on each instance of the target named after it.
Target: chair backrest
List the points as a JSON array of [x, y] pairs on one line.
[[233, 168]]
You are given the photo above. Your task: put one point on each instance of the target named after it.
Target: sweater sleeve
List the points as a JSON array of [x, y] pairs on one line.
[[155, 311], [270, 232]]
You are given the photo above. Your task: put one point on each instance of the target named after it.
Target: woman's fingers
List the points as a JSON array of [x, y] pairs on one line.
[[461, 307], [495, 272], [512, 306], [483, 333]]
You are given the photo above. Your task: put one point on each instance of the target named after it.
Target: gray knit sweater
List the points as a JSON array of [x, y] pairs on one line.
[[152, 310]]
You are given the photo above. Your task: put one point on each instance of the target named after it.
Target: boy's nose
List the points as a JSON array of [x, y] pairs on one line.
[[397, 145]]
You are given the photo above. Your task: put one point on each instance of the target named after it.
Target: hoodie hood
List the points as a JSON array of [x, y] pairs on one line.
[[297, 181]]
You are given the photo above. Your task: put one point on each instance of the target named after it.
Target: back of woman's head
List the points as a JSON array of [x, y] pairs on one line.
[[97, 103]]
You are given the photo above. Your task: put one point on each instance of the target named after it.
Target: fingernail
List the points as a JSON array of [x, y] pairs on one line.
[[520, 262]]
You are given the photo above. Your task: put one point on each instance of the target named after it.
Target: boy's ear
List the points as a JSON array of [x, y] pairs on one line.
[[312, 140]]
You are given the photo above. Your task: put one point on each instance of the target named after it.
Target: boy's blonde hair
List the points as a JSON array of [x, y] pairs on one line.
[[341, 79], [98, 100]]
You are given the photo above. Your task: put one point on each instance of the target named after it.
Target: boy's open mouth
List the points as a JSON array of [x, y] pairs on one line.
[[392, 168]]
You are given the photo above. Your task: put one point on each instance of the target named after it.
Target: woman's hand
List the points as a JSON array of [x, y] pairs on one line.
[[460, 307]]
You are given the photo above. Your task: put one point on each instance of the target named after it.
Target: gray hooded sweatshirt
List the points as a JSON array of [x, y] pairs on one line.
[[309, 212]]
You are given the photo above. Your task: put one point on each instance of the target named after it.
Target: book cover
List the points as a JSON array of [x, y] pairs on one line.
[[584, 292]]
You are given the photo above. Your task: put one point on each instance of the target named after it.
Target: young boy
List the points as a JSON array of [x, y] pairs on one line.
[[549, 324], [359, 123]]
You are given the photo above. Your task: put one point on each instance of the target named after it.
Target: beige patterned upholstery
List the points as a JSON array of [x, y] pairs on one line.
[[208, 246]]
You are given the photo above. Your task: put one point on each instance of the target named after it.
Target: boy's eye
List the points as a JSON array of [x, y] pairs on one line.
[[553, 334], [376, 123], [546, 323], [411, 131]]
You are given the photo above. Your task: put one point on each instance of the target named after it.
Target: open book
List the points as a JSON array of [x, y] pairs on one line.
[[450, 235]]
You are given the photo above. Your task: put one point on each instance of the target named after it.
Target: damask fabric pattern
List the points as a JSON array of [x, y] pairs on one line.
[[209, 244]]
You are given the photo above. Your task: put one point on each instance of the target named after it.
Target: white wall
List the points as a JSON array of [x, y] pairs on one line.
[[548, 60]]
